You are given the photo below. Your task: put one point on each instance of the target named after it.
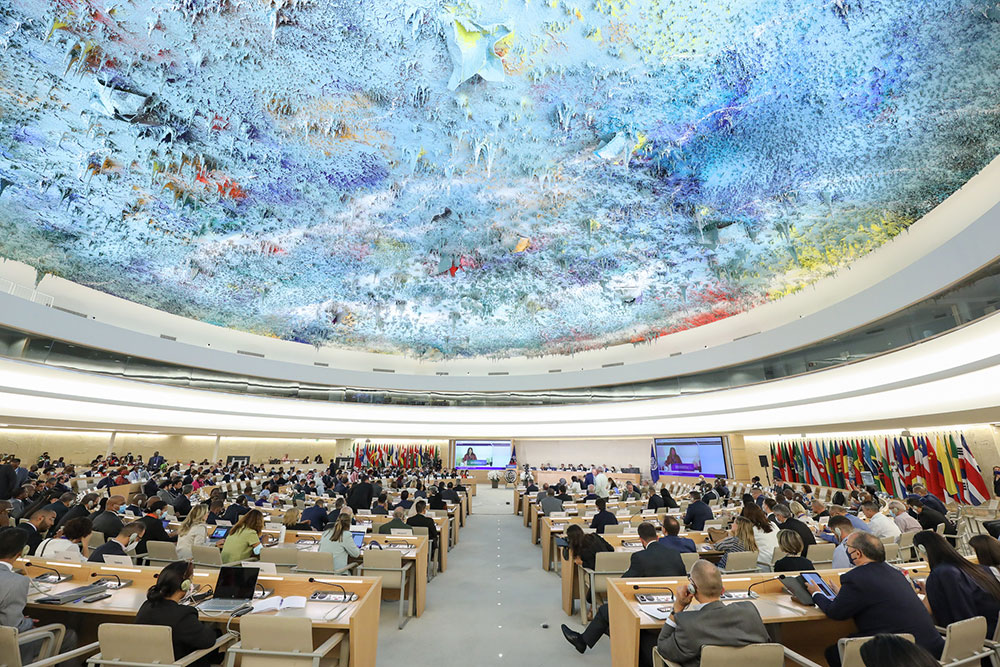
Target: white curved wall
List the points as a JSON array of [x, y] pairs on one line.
[[955, 377], [953, 240]]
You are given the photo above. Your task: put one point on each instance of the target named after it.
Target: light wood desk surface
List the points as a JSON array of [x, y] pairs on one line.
[[360, 619]]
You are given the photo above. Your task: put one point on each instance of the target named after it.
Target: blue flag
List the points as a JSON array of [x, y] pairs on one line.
[[654, 468]]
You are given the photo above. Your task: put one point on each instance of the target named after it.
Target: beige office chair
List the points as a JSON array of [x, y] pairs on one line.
[[95, 540], [278, 641], [161, 552], [284, 558], [206, 556], [754, 655], [318, 562], [388, 565], [119, 647], [431, 562], [617, 529], [850, 649], [741, 561], [607, 564], [906, 550], [821, 554], [689, 560], [51, 637], [777, 555], [891, 552], [965, 643]]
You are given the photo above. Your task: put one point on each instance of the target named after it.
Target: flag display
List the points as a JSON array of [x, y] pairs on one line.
[[367, 455], [943, 462]]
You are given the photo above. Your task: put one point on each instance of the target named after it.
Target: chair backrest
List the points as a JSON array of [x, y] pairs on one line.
[[206, 556], [284, 558], [118, 642], [609, 561], [850, 649], [10, 653], [315, 561], [777, 555], [906, 539], [689, 560], [161, 550], [96, 539], [388, 559], [617, 529], [891, 552], [964, 639], [421, 530], [276, 633], [754, 655], [821, 552], [741, 560]]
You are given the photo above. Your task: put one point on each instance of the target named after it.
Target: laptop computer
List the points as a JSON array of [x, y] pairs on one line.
[[234, 589], [219, 533], [359, 538]]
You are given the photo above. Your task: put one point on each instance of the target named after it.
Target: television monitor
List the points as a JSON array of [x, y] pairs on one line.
[[482, 454], [691, 457]]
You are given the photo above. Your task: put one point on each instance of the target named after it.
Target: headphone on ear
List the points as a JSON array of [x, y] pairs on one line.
[[186, 585], [836, 531]]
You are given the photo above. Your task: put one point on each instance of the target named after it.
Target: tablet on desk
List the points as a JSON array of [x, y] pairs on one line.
[[220, 533], [814, 578]]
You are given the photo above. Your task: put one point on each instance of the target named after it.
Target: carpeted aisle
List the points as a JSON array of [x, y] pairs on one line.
[[489, 607]]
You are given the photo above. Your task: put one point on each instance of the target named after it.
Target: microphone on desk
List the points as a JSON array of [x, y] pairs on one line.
[[313, 580], [59, 574], [109, 574], [673, 595], [754, 596]]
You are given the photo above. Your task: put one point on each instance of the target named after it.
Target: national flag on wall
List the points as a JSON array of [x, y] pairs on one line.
[[955, 462], [654, 468], [944, 468], [978, 493], [815, 477], [513, 458], [932, 470]]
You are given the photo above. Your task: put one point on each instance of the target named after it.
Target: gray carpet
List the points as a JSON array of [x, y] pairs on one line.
[[478, 613]]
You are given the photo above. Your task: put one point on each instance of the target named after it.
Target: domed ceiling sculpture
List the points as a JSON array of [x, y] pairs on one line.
[[484, 177]]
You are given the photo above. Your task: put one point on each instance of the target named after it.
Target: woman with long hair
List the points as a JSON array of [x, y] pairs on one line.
[[584, 547], [163, 607], [765, 533], [741, 538], [668, 500], [293, 520], [956, 588], [337, 540], [987, 550], [244, 540], [193, 532]]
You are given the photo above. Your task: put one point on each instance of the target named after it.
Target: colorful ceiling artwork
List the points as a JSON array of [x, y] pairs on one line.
[[482, 177]]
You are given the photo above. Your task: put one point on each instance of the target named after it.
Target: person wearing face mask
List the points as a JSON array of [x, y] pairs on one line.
[[906, 522], [109, 522], [163, 607], [120, 545], [840, 528], [878, 597], [153, 522]]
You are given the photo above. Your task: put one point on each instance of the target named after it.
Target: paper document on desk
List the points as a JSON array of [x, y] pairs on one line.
[[657, 611], [277, 603]]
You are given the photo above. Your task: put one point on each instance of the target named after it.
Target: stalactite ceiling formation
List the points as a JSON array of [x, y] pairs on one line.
[[482, 177]]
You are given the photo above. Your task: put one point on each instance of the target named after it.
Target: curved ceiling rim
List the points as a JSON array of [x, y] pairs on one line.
[[958, 230], [938, 395]]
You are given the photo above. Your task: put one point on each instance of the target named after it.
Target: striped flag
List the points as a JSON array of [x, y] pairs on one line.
[[978, 493], [955, 461]]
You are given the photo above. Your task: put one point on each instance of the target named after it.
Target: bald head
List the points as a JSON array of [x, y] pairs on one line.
[[399, 513], [707, 580]]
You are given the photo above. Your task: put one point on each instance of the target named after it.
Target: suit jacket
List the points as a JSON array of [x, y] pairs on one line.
[[316, 516], [108, 523], [697, 514], [602, 519], [189, 634], [588, 479], [550, 504], [13, 598], [656, 560], [386, 528], [791, 523], [881, 599], [424, 521], [182, 505], [436, 502], [59, 508], [360, 496], [235, 511], [8, 481], [930, 518], [680, 544], [715, 624], [34, 537], [74, 512], [109, 548], [155, 532], [655, 502]]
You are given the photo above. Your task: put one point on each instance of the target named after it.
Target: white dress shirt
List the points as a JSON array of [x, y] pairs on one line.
[[883, 527]]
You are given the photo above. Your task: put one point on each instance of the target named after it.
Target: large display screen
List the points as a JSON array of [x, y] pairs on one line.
[[482, 454], [691, 457]]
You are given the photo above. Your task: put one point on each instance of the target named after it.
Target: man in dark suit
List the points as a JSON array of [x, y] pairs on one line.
[[682, 544], [8, 481], [928, 499], [381, 505], [588, 479], [82, 509], [36, 526], [713, 624], [109, 522], [819, 510], [697, 513], [654, 560], [61, 506], [655, 499], [316, 515], [361, 494], [435, 501], [878, 597], [603, 517], [450, 494], [422, 520], [786, 521], [930, 518], [182, 503], [118, 545], [239, 508]]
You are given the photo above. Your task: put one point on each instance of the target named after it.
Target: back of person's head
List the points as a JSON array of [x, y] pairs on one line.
[[574, 535], [602, 503], [646, 531], [420, 506], [252, 520], [382, 498], [770, 504], [154, 505], [695, 496], [338, 503], [757, 517], [796, 508], [940, 552], [915, 503], [894, 651], [174, 577], [399, 513], [743, 531], [215, 506], [782, 510], [707, 579], [840, 525], [790, 542], [12, 543], [870, 506], [837, 510], [869, 545], [671, 526], [340, 526], [987, 550], [67, 498], [551, 491], [77, 529], [404, 494], [134, 528]]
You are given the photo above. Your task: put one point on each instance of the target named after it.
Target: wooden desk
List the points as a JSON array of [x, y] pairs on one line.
[[810, 636], [553, 476], [360, 619]]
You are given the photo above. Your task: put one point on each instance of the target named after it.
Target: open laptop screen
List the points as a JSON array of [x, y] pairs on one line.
[[359, 538], [236, 583]]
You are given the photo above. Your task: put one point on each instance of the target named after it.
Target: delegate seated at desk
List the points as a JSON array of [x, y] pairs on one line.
[[119, 545], [654, 560], [878, 597], [337, 540], [603, 518], [14, 597], [162, 607], [153, 523], [398, 516], [421, 520], [549, 504], [672, 528], [697, 513]]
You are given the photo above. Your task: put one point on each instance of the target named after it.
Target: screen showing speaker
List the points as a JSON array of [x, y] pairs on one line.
[[482, 454], [691, 457]]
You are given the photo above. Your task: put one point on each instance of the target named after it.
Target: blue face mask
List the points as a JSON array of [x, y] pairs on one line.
[[257, 549]]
